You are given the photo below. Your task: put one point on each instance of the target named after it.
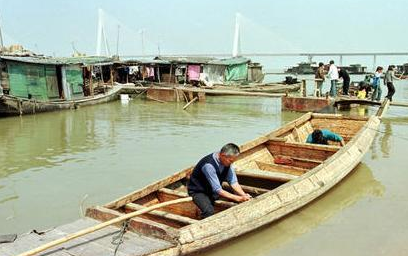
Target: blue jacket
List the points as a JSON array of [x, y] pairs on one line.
[[328, 135]]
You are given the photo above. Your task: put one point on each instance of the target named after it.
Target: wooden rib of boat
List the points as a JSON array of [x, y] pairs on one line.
[[277, 189], [11, 105]]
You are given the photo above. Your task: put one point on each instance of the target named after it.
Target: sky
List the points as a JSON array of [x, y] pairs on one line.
[[51, 27]]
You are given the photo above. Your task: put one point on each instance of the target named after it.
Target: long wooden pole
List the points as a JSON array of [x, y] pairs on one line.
[[188, 104], [102, 225]]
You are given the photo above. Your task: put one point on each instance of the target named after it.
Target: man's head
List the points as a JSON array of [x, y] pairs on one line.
[[331, 62], [318, 137], [321, 64], [228, 154]]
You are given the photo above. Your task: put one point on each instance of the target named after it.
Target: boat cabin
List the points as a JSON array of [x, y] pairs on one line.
[[50, 79]]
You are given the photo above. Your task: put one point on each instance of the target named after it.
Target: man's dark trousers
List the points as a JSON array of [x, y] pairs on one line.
[[204, 203]]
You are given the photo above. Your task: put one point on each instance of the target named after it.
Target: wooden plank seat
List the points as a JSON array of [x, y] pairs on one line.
[[281, 168], [180, 194], [248, 189], [162, 214], [267, 175]]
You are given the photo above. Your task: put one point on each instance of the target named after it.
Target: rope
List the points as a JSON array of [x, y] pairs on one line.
[[118, 239]]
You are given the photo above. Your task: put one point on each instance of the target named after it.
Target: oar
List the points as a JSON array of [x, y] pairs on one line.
[[102, 225]]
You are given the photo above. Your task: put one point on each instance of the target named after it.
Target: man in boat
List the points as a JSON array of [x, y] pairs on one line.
[[205, 184], [323, 136]]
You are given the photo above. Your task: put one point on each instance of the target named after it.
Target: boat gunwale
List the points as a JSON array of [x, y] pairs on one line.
[[87, 99]]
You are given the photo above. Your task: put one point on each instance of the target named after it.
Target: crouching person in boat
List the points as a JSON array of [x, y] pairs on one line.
[[323, 137], [205, 184]]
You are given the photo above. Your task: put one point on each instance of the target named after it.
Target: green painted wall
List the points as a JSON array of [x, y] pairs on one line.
[[30, 79], [52, 82], [75, 80], [236, 72]]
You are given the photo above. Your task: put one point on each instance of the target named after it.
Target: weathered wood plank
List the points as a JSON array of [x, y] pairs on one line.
[[267, 175], [162, 214], [189, 210], [288, 127], [305, 163], [281, 168], [148, 189], [339, 117], [302, 150], [249, 189], [139, 225], [133, 244]]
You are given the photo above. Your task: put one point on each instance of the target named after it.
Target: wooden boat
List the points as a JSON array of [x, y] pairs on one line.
[[277, 190], [11, 105], [262, 87]]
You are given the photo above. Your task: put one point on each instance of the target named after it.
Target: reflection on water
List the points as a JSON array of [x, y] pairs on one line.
[[358, 185], [385, 139], [46, 140]]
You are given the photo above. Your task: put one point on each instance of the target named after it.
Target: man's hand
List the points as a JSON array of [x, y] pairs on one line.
[[243, 198], [237, 198]]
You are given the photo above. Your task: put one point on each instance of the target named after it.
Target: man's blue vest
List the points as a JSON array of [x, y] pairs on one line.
[[198, 182]]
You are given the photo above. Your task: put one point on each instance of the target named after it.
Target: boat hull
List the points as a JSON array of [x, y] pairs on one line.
[[12, 106]]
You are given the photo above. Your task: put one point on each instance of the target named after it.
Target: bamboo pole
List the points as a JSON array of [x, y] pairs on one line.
[[102, 225], [151, 98], [91, 92], [188, 104]]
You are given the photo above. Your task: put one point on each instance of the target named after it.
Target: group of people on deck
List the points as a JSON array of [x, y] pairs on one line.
[[205, 183], [334, 74], [375, 86]]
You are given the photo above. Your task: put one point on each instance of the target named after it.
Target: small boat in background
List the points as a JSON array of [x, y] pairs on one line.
[[35, 84], [12, 106]]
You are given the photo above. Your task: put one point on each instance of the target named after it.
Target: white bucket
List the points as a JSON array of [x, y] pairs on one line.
[[124, 97]]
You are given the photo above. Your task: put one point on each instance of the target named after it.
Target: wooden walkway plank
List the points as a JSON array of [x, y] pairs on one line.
[[96, 243]]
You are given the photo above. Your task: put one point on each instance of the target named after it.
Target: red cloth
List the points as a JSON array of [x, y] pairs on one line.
[[193, 72]]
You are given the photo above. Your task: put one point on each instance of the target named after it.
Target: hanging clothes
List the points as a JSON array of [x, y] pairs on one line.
[[145, 72], [193, 72], [133, 70], [150, 71]]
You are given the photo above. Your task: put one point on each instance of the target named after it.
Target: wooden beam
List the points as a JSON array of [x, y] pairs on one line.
[[339, 117], [306, 163], [249, 189], [189, 103], [267, 175], [179, 194], [288, 127], [302, 150], [281, 168], [148, 189], [151, 98], [162, 214], [144, 226]]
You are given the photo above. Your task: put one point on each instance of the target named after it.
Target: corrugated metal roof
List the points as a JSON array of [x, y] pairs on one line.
[[230, 61], [130, 60], [91, 60], [185, 60]]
